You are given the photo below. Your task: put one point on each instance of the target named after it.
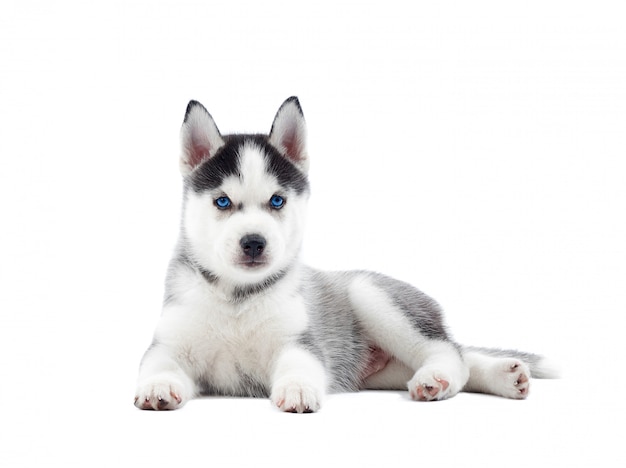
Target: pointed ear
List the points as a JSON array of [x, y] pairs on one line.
[[199, 137], [288, 133]]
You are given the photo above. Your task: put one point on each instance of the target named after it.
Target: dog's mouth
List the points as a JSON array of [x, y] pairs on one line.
[[251, 263]]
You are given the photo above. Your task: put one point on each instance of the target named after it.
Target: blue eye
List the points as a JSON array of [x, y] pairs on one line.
[[222, 203], [277, 202]]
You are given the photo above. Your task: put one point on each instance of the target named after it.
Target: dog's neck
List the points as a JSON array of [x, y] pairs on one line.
[[235, 293]]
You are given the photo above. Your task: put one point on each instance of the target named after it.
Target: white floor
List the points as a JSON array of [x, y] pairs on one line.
[[474, 149], [554, 427]]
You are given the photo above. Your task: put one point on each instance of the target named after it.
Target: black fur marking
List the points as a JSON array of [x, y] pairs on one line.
[[284, 170], [241, 293], [207, 275], [211, 173]]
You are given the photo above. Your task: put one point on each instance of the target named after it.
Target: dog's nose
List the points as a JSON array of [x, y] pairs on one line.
[[253, 245]]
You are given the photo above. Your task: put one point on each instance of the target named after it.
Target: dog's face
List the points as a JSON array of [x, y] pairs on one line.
[[245, 195]]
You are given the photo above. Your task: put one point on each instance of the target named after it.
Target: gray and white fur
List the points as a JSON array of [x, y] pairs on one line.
[[243, 317]]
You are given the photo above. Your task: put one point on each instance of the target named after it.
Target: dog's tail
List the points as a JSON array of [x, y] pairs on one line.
[[540, 366]]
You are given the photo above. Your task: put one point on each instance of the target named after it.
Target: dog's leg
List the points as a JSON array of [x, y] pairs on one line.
[[299, 381], [436, 364], [504, 376], [162, 384]]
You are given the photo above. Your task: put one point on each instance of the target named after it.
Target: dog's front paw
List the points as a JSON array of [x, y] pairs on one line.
[[161, 392], [511, 379], [294, 395], [430, 385]]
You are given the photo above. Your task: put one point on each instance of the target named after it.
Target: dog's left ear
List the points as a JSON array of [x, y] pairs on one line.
[[288, 133]]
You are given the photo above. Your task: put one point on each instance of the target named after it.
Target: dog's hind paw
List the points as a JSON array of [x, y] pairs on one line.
[[430, 384], [511, 379], [429, 389]]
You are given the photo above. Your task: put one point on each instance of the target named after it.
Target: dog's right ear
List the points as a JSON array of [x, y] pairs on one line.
[[199, 137], [288, 133]]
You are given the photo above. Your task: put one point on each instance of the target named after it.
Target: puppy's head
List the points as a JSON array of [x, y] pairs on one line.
[[245, 195]]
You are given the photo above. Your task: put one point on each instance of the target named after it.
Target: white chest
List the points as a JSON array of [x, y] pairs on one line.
[[223, 346]]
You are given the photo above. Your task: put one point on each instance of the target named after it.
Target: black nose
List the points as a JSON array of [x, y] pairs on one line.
[[253, 245]]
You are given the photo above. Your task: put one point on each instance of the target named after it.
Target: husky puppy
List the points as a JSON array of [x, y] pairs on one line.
[[243, 317]]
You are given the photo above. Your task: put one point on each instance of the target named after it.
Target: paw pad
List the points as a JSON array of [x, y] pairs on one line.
[[515, 381], [430, 391]]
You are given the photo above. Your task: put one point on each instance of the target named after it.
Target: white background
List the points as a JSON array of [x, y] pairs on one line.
[[474, 149]]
